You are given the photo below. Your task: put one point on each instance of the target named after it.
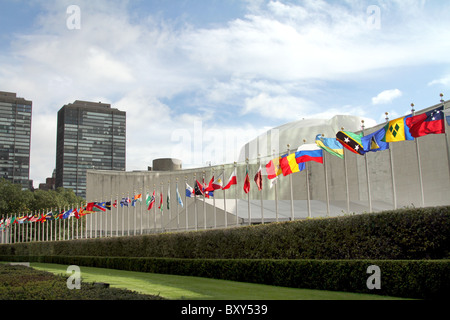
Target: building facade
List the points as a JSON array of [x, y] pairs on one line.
[[89, 136], [15, 139]]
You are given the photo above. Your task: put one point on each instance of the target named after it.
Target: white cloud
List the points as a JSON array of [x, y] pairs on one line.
[[386, 96], [165, 77]]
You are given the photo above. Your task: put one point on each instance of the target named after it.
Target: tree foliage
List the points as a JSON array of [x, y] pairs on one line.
[[14, 200]]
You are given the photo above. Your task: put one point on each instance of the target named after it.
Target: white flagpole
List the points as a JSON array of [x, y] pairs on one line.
[[204, 200], [291, 189], [248, 196], [235, 196], [225, 203], [195, 202], [178, 207], [276, 189], [186, 204], [326, 182], [142, 205], [391, 160], [154, 210], [261, 191], [346, 179], [214, 201], [369, 195], [419, 164], [307, 187]]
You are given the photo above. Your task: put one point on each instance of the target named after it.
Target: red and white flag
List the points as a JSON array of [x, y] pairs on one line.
[[258, 179], [231, 181]]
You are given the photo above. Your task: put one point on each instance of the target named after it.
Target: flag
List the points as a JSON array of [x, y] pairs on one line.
[[247, 182], [289, 164], [168, 198], [351, 141], [136, 198], [374, 141], [273, 168], [151, 201], [309, 152], [161, 204], [231, 181], [99, 206], [218, 183], [331, 145], [198, 188], [397, 130], [124, 202], [179, 198], [115, 204], [210, 187], [108, 205], [189, 191], [431, 122], [66, 214], [258, 178]]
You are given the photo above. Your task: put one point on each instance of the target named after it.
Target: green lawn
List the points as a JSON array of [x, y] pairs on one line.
[[194, 288]]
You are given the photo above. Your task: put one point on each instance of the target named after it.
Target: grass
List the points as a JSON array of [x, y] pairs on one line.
[[193, 288]]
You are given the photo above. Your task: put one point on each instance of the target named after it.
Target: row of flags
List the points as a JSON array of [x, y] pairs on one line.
[[405, 128]]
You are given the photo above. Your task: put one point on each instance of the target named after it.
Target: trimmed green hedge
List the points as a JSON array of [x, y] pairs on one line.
[[406, 234], [424, 279]]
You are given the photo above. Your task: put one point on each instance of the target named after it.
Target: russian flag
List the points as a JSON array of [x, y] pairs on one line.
[[309, 152]]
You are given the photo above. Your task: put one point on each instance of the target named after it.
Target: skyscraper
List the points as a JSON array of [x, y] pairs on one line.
[[15, 139], [89, 136]]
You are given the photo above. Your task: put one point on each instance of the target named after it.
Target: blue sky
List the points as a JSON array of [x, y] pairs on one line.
[[190, 71]]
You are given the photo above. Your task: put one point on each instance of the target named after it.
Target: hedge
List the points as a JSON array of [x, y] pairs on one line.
[[424, 279], [405, 234]]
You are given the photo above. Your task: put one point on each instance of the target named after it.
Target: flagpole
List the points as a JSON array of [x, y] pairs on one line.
[[224, 202], [248, 197], [391, 160], [419, 163], [178, 208], [292, 190], [236, 196], [154, 209], [367, 173], [204, 200], [307, 186], [214, 200], [276, 190], [186, 204], [346, 179], [326, 181], [195, 203], [261, 191]]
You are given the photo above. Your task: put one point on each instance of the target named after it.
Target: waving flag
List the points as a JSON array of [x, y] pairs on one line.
[[289, 164], [179, 198], [431, 122], [374, 141], [273, 168], [351, 141], [189, 191], [331, 145], [247, 182], [151, 201], [258, 178], [309, 152], [397, 130], [231, 181]]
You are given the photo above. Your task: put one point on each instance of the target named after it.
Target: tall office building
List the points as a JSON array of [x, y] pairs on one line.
[[15, 139], [89, 136]]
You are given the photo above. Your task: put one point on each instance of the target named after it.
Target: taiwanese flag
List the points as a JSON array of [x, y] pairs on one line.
[[431, 122]]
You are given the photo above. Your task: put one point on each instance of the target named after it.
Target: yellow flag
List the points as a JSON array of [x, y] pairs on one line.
[[396, 130]]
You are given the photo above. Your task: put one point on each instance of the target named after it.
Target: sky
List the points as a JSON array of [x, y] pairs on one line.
[[200, 78]]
